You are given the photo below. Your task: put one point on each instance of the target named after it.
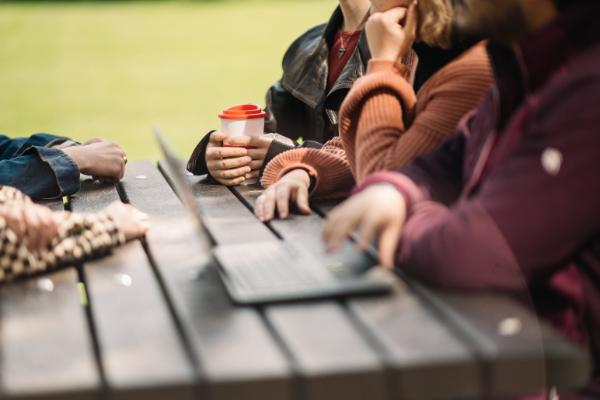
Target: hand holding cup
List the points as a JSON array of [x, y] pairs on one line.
[[236, 153], [227, 164]]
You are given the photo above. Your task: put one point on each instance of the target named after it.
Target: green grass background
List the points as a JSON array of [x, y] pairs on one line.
[[116, 69]]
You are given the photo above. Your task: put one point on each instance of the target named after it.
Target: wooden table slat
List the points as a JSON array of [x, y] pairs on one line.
[[54, 205], [521, 351], [333, 359], [164, 326], [532, 358], [141, 349], [426, 359], [395, 343], [228, 220], [320, 334], [237, 355], [46, 349]]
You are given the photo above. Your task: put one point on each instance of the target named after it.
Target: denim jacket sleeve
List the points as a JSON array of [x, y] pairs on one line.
[[40, 171]]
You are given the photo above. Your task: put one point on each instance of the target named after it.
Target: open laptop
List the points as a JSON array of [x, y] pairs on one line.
[[274, 271]]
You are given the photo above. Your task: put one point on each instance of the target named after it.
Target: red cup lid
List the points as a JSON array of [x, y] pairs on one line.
[[244, 108], [255, 115], [238, 112]]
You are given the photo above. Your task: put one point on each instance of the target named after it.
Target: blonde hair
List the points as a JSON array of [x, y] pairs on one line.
[[435, 22]]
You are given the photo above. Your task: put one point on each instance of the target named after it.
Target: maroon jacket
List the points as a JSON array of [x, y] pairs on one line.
[[512, 201]]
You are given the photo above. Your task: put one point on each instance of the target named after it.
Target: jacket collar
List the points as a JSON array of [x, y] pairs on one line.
[[530, 63], [335, 23], [316, 65]]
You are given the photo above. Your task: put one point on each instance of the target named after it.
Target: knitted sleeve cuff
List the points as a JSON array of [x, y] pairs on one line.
[[379, 65], [275, 148], [405, 67], [285, 162], [330, 173]]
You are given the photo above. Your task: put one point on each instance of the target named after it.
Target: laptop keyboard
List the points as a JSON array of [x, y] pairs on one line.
[[280, 267]]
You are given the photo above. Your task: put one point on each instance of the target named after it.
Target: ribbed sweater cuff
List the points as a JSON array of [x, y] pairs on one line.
[[284, 163], [379, 65], [330, 174], [275, 148], [267, 181]]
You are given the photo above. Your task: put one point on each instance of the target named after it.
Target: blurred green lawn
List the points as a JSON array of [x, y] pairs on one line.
[[117, 69]]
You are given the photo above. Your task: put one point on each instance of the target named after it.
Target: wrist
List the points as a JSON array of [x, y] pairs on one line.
[[75, 153], [299, 175], [385, 57]]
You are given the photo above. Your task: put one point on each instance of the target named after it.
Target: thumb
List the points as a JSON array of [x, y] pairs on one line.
[[242, 140], [217, 136]]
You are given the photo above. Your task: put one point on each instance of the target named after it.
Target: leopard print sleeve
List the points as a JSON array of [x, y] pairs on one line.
[[80, 237]]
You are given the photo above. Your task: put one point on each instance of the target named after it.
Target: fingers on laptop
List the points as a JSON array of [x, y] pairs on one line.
[[278, 198]]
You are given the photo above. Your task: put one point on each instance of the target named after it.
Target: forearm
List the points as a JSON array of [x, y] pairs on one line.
[[459, 248], [81, 237], [41, 173], [379, 132], [12, 147], [373, 117]]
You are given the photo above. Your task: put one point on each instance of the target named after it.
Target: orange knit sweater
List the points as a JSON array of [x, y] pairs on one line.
[[385, 125]]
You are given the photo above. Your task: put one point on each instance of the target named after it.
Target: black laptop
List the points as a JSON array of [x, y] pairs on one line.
[[275, 271]]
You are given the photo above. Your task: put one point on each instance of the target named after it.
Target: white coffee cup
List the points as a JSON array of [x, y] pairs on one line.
[[243, 120]]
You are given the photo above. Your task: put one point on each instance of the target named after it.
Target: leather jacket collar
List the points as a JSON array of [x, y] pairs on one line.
[[306, 64]]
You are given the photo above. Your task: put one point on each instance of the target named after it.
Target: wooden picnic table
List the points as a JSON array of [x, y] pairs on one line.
[[153, 321]]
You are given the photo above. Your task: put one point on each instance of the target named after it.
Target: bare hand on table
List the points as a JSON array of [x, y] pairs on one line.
[[99, 158], [132, 222], [292, 187], [377, 212], [233, 165]]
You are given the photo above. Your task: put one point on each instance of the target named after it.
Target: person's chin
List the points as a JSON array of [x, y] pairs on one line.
[[385, 5]]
